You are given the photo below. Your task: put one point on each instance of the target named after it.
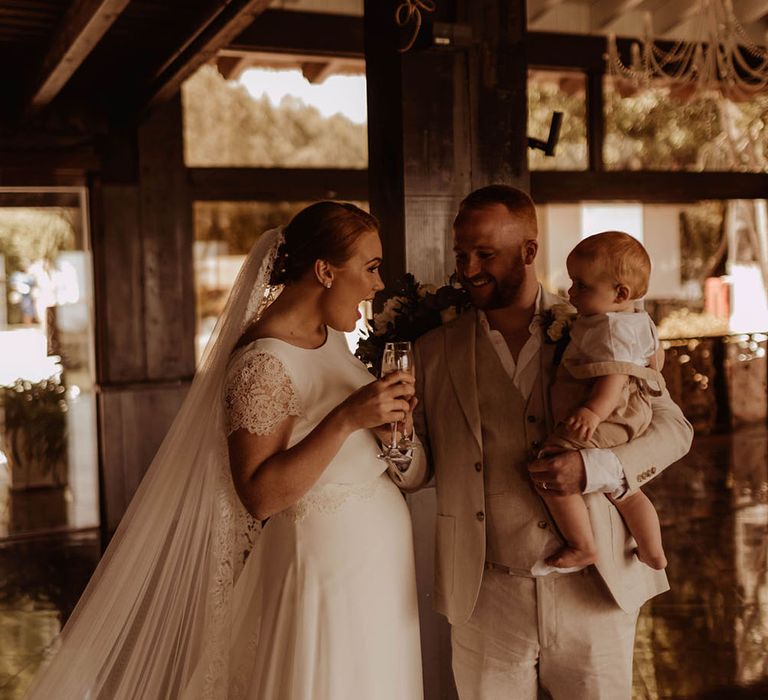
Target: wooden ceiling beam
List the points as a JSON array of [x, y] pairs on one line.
[[672, 15], [228, 19], [243, 184], [230, 67], [538, 8], [317, 71], [81, 29], [749, 11], [605, 12], [645, 186], [303, 33]]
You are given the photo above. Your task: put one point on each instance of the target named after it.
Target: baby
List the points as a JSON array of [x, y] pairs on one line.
[[601, 395]]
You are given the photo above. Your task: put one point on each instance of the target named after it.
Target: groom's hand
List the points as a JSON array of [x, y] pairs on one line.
[[563, 473]]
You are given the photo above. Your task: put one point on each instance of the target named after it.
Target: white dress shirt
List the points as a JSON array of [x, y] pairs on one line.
[[603, 468]]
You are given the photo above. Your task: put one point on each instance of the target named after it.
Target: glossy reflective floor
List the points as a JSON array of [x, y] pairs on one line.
[[710, 632], [706, 638], [40, 582]]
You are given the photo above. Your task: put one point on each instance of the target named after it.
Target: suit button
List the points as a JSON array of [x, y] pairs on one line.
[[481, 516], [478, 467], [531, 419], [653, 470], [542, 524]]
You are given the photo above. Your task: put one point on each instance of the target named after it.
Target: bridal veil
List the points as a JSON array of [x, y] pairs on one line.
[[158, 608]]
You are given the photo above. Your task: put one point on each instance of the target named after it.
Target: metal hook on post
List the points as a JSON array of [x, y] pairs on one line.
[[549, 145]]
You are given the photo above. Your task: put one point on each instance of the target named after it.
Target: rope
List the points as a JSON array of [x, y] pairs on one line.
[[410, 11]]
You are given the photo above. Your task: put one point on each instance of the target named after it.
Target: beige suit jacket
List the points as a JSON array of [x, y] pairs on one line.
[[448, 424]]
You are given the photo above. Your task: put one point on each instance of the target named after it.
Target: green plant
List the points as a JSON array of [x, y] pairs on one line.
[[36, 425]]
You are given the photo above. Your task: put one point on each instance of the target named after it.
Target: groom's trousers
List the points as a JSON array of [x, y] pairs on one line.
[[558, 636]]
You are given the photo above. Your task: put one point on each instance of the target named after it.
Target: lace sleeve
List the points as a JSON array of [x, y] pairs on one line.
[[259, 394]]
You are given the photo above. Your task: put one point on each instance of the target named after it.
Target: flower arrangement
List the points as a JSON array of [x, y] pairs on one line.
[[406, 312]]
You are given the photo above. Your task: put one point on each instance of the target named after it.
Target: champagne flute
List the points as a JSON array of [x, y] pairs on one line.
[[397, 357]]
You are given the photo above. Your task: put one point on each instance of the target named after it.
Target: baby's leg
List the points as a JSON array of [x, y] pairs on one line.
[[571, 515], [643, 522]]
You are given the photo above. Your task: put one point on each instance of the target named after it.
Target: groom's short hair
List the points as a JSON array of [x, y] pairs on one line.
[[517, 202]]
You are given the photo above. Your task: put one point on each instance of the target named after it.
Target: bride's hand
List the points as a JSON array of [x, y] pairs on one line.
[[404, 428], [378, 403]]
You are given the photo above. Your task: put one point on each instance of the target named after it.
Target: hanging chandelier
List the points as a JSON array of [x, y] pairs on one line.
[[722, 58]]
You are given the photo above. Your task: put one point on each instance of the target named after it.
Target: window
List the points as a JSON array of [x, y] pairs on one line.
[[660, 128], [562, 91], [274, 118], [48, 451]]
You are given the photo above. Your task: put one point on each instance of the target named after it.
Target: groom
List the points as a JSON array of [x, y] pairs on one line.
[[483, 383]]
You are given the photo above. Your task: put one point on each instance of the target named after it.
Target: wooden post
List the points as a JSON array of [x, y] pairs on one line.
[[385, 133], [166, 224], [444, 118], [142, 223]]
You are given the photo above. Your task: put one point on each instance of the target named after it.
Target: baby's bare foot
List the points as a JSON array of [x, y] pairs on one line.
[[656, 560], [569, 557]]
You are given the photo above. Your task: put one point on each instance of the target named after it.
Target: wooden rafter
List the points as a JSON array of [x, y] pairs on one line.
[[277, 184], [317, 71], [748, 11], [538, 8], [670, 16], [230, 67], [308, 33], [645, 186], [228, 19], [81, 29], [604, 12]]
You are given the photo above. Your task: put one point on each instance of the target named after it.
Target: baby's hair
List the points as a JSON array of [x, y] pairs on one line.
[[622, 257]]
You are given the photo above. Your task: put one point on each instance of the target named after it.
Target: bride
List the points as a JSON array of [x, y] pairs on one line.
[[194, 598]]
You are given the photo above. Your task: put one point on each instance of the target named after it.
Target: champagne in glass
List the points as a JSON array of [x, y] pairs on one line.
[[397, 357]]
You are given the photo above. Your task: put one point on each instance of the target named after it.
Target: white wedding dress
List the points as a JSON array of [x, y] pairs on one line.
[[325, 607]]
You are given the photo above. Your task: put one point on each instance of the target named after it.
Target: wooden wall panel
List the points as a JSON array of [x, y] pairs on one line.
[[498, 81], [438, 158], [120, 309], [134, 421], [167, 239], [428, 129], [429, 250], [145, 302]]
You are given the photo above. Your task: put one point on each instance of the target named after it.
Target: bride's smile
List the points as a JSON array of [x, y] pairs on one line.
[[354, 281]]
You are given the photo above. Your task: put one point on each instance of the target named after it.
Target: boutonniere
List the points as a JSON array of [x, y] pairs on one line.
[[556, 323]]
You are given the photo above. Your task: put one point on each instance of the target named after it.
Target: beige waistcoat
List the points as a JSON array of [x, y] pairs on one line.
[[517, 526]]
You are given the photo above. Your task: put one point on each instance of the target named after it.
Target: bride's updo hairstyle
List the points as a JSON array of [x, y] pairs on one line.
[[323, 231]]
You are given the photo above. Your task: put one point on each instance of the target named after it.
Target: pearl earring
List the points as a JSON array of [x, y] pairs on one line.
[[327, 285]]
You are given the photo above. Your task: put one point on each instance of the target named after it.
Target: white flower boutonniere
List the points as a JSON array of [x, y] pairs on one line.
[[556, 323]]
